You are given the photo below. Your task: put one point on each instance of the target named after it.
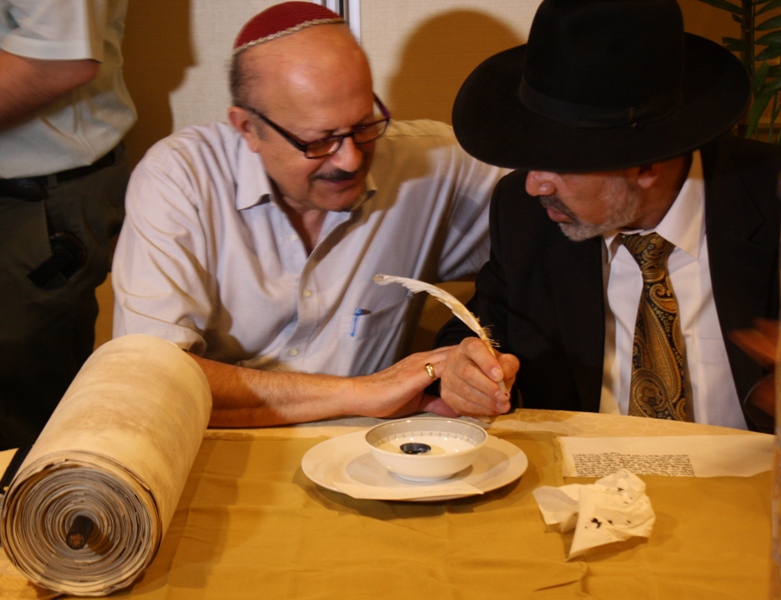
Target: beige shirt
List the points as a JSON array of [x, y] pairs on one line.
[[208, 260]]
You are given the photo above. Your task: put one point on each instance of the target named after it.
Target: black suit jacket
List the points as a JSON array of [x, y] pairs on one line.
[[542, 295]]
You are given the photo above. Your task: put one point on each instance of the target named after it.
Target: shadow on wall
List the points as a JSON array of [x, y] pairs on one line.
[[437, 58], [157, 48]]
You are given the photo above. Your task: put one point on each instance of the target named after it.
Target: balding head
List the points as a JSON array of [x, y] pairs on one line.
[[311, 65], [311, 84]]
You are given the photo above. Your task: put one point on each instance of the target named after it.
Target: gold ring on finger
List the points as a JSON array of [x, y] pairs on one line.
[[430, 371]]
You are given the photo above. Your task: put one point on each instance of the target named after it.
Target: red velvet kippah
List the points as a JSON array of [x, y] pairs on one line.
[[282, 19]]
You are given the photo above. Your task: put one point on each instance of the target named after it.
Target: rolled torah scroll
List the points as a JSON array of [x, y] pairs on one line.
[[88, 508]]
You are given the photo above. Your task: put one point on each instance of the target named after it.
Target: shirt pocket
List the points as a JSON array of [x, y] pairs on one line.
[[365, 323]]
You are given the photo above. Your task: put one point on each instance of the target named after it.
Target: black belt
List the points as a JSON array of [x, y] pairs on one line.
[[33, 189]]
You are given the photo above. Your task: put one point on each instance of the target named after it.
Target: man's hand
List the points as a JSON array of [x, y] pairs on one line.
[[761, 344], [398, 390], [471, 376], [244, 397]]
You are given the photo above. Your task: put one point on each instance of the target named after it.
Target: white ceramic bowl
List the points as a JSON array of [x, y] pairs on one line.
[[454, 446]]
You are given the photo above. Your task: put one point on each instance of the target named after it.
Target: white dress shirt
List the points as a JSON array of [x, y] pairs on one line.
[[710, 389], [208, 260]]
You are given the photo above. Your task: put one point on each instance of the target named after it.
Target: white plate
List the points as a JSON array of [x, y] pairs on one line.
[[346, 459]]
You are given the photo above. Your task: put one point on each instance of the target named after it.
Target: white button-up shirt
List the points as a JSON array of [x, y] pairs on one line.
[[208, 260], [710, 389]]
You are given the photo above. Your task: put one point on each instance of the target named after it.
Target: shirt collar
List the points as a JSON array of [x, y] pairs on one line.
[[684, 224], [253, 187]]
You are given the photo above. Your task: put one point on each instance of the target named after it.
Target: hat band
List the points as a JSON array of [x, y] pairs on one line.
[[595, 116]]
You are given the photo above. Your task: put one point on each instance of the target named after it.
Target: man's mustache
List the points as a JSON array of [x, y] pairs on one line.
[[337, 175], [553, 202]]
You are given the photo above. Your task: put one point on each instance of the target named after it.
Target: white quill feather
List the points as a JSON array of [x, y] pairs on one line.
[[456, 307]]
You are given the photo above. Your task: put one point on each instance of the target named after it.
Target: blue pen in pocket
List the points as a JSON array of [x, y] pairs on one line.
[[358, 313]]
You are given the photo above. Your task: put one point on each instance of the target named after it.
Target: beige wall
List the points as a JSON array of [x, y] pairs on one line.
[[177, 52]]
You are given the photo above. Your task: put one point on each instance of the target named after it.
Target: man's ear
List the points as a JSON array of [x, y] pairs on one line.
[[647, 175], [240, 119]]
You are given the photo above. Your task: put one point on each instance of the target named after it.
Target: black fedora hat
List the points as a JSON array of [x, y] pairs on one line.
[[601, 84]]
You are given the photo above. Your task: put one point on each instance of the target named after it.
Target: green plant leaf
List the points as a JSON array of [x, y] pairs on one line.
[[734, 44], [771, 23], [724, 5], [765, 78], [759, 79], [769, 39], [769, 90], [768, 6], [755, 113], [770, 86], [768, 53], [774, 114]]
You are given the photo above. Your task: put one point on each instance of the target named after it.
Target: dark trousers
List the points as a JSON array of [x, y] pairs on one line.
[[47, 321]]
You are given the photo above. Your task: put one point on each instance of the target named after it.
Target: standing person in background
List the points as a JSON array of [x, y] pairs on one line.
[[64, 110]]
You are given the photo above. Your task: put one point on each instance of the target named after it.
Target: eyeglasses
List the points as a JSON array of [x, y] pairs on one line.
[[361, 134]]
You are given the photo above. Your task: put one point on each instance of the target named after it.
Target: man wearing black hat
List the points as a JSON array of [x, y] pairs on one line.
[[654, 233]]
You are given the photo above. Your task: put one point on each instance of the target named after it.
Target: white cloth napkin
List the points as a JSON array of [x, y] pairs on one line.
[[612, 509]]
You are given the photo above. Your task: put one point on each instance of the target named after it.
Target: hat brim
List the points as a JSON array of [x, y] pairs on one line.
[[492, 124]]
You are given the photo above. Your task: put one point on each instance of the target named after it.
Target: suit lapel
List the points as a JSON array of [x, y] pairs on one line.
[[576, 276]]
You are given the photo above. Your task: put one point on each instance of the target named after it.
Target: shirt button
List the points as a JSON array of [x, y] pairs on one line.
[[293, 352], [307, 293]]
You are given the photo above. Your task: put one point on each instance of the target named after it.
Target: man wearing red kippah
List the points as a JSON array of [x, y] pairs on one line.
[[253, 244]]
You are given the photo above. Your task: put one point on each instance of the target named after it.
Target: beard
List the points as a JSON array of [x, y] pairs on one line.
[[621, 208]]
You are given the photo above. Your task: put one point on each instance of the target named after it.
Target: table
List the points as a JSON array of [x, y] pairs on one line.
[[250, 524]]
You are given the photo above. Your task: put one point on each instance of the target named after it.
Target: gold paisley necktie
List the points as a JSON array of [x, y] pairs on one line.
[[657, 354]]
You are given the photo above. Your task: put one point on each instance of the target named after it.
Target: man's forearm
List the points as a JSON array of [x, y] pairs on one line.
[[244, 397], [28, 85]]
